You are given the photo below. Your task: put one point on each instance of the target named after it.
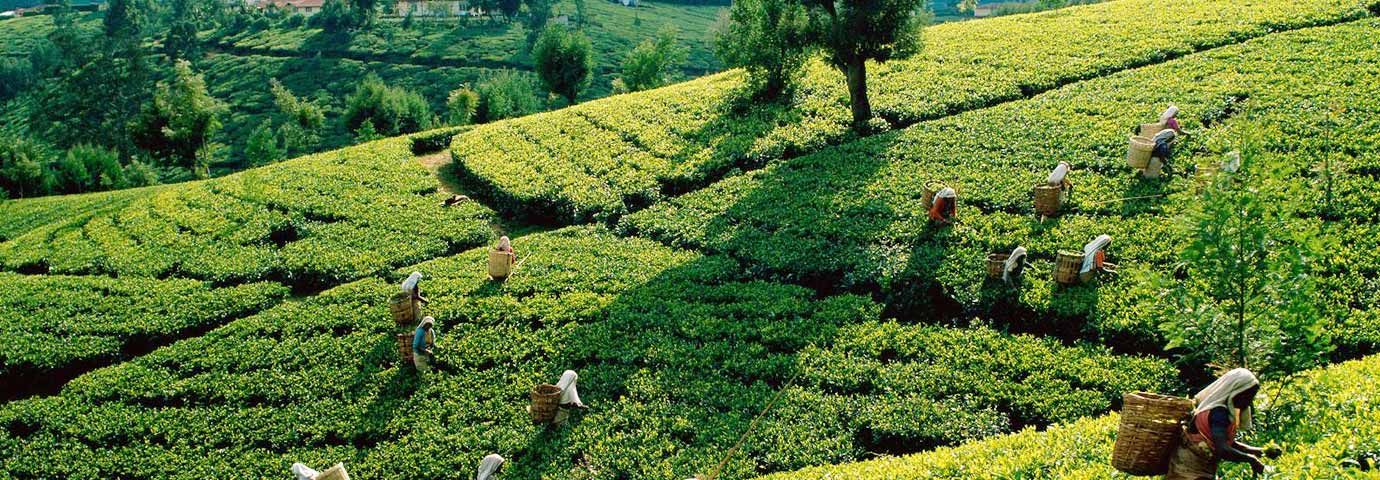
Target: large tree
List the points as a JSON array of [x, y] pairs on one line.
[[771, 38], [768, 38], [563, 61], [852, 32], [652, 63], [178, 125]]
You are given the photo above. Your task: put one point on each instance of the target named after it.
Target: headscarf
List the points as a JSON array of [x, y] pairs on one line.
[[303, 472], [1221, 393], [504, 244], [1232, 163], [569, 392], [1090, 251], [409, 285], [943, 204], [489, 466], [428, 320], [1167, 134], [1169, 113], [1056, 177], [1017, 256]]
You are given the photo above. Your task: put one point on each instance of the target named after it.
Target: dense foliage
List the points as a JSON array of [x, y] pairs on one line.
[[1327, 424], [851, 217], [53, 322], [310, 222], [676, 352], [688, 135]]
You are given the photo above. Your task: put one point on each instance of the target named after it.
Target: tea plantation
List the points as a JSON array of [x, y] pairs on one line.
[[696, 259]]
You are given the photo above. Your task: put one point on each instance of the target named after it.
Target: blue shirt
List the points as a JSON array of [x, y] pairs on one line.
[[419, 340]]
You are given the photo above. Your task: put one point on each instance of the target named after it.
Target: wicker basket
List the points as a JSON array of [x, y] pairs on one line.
[[545, 402], [336, 472], [1148, 130], [1138, 153], [405, 348], [404, 310], [1149, 432], [1048, 199], [1066, 267], [996, 265], [500, 264], [927, 194]]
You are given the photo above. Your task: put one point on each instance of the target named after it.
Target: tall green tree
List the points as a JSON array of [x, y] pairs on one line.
[[768, 38], [563, 61], [505, 95], [853, 32], [262, 146], [22, 168], [652, 63], [389, 110], [178, 125], [1244, 295], [461, 105], [300, 120]]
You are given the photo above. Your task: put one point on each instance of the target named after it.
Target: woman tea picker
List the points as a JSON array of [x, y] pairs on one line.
[[1219, 411]]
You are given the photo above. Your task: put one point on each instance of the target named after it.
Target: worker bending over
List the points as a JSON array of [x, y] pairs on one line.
[[944, 206], [412, 286], [489, 466], [570, 395], [1220, 411], [424, 344]]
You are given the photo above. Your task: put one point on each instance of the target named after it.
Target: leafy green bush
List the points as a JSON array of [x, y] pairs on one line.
[[676, 353], [53, 322], [698, 131], [851, 217], [1325, 424], [390, 110], [310, 222]]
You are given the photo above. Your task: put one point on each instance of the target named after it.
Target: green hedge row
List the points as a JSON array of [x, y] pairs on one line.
[[676, 353], [851, 217], [315, 221], [54, 322], [604, 158], [1326, 422]]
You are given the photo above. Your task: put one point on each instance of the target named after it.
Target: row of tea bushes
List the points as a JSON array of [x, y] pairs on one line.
[[854, 212], [559, 167], [676, 351], [311, 222]]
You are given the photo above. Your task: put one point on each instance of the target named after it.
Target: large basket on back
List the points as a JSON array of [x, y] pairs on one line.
[[545, 402], [336, 472], [500, 264], [996, 265], [404, 310], [1148, 130], [1048, 199], [928, 192], [1151, 425], [1066, 267], [405, 347], [1138, 153]]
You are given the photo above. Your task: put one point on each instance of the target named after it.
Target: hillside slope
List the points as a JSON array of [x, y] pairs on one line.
[[607, 157], [1327, 423]]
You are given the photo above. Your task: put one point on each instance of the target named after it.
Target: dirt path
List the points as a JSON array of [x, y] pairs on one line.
[[439, 163]]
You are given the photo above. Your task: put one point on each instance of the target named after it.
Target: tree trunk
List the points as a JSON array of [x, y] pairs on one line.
[[857, 92]]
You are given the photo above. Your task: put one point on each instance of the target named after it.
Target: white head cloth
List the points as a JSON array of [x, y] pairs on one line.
[[303, 472], [1222, 391], [1169, 113], [489, 466], [1057, 176], [503, 243], [569, 392], [946, 193], [411, 282], [1017, 256], [1232, 163], [1090, 251]]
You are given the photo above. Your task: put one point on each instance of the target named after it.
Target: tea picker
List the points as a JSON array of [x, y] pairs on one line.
[[424, 345], [1050, 195], [1006, 266], [548, 400], [1186, 439], [489, 466], [943, 208], [406, 306], [336, 472], [501, 259], [1071, 268]]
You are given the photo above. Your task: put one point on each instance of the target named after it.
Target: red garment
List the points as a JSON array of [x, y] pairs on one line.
[[1172, 124], [1099, 259], [1203, 428], [941, 209]]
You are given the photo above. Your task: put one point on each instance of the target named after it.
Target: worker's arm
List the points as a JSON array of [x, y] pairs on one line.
[[1225, 446]]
